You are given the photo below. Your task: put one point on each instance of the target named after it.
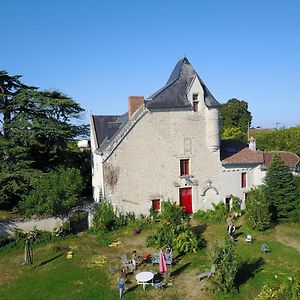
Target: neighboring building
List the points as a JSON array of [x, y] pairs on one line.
[[168, 147]]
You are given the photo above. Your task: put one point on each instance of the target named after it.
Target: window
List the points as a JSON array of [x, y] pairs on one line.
[[244, 180], [156, 204], [184, 167], [195, 102]]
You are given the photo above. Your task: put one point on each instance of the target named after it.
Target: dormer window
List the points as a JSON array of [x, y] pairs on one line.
[[195, 102]]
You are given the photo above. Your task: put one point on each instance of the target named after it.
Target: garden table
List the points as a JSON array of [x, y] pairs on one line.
[[144, 278]]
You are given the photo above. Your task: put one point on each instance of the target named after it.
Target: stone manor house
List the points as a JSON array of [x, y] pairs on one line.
[[167, 146]]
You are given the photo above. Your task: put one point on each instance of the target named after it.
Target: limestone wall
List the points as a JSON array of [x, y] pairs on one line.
[[7, 228], [146, 165]]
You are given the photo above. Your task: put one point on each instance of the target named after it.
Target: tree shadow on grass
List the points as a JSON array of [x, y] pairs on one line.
[[49, 260], [199, 229], [247, 270], [179, 270]]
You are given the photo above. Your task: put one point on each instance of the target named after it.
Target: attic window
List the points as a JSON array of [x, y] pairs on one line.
[[195, 102]]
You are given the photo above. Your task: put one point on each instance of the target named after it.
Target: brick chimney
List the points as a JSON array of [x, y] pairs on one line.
[[134, 103]]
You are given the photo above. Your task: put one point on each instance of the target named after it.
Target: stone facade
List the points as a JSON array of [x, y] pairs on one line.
[[140, 159]]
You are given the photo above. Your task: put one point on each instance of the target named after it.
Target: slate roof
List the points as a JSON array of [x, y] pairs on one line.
[[174, 93], [231, 147], [106, 127]]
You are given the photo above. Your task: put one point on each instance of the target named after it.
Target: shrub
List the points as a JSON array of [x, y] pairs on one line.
[[54, 193], [105, 217], [288, 289], [215, 215], [225, 260], [258, 209], [236, 204], [171, 212], [186, 241]]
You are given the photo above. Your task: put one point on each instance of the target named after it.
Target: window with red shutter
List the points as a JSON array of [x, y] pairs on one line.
[[244, 180], [184, 167], [156, 205]]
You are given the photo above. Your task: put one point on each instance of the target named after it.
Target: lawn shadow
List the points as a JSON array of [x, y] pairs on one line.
[[133, 288], [49, 260], [179, 270], [199, 229], [247, 270]]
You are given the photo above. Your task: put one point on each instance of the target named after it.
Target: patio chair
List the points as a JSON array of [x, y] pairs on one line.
[[248, 239], [264, 248], [169, 259], [126, 264], [155, 258], [207, 273]]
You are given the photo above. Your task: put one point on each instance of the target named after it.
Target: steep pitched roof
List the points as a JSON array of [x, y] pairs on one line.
[[107, 126], [245, 156], [174, 93]]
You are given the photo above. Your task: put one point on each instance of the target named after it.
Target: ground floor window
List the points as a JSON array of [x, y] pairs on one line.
[[156, 205]]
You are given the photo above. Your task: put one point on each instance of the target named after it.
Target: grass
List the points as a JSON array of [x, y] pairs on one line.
[[53, 276]]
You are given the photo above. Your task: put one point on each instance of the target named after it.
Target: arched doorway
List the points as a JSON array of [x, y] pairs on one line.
[[79, 221]]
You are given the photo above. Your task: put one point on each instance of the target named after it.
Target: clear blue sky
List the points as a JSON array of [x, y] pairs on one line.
[[100, 52]]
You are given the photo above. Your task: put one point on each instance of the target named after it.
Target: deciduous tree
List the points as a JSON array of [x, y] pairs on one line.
[[234, 114]]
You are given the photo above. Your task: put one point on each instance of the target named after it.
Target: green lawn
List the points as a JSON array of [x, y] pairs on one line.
[[53, 276]]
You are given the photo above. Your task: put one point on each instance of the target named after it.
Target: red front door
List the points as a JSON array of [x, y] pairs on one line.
[[185, 196]]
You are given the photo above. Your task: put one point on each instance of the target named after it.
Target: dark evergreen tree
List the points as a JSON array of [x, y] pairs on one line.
[[281, 190], [35, 134]]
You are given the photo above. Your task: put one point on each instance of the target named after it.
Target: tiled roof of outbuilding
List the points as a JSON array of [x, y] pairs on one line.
[[174, 93], [245, 156], [290, 159]]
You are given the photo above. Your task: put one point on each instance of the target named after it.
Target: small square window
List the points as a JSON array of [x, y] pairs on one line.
[[195, 97], [156, 205], [184, 167]]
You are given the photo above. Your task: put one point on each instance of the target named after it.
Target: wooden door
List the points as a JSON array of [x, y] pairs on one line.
[[185, 196]]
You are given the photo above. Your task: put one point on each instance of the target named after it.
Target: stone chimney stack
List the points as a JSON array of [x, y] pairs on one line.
[[252, 144], [134, 103]]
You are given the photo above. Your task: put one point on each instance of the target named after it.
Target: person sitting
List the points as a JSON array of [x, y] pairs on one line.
[[134, 258]]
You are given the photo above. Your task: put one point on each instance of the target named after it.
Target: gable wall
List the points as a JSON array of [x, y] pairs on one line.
[[146, 164]]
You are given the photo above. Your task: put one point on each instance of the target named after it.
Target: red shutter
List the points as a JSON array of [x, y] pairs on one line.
[[196, 106], [244, 180], [156, 204]]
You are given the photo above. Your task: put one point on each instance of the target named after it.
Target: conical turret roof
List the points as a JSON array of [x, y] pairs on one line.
[[174, 93]]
